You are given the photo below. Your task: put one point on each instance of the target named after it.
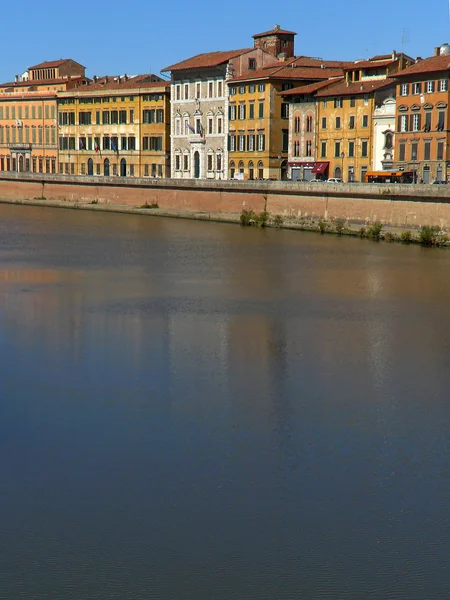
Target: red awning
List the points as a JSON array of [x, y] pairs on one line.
[[320, 167]]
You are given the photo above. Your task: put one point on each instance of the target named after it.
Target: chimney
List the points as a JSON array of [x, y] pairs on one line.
[[418, 59], [394, 55], [95, 78], [437, 51], [16, 78]]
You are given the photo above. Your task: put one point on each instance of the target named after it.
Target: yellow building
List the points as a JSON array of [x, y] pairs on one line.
[[28, 123], [116, 126], [259, 117], [345, 110]]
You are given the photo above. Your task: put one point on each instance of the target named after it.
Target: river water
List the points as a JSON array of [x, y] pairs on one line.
[[194, 411]]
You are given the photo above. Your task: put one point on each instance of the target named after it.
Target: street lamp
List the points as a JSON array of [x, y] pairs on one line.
[[342, 170]]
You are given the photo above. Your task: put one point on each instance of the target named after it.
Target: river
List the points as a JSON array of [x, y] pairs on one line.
[[195, 411]]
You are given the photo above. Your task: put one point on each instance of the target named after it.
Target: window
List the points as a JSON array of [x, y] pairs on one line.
[[414, 147], [388, 141], [401, 151], [365, 120], [241, 142], [185, 162], [219, 124], [324, 103], [210, 89], [297, 125], [261, 142], [159, 115], [284, 110], [186, 91], [124, 143], [219, 89], [352, 101], [415, 122], [232, 90], [241, 112], [232, 112], [197, 90], [403, 123], [242, 89], [364, 149], [131, 143], [351, 122], [443, 85], [351, 149], [308, 148], [106, 143], [105, 117], [232, 143], [178, 91], [441, 120], [261, 87], [252, 64], [337, 149], [251, 110], [210, 126], [366, 100], [427, 126], [297, 148], [131, 119], [309, 121], [430, 87], [440, 151], [427, 150], [219, 162], [404, 89], [85, 118], [148, 116], [324, 122], [251, 143], [177, 162], [285, 140], [338, 103], [251, 88], [338, 122], [210, 162], [260, 110], [416, 88]]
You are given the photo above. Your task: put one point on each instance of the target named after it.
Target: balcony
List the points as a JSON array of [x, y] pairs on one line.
[[196, 138], [19, 147]]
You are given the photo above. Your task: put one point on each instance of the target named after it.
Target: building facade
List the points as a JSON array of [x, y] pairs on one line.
[[28, 115], [422, 131], [115, 126]]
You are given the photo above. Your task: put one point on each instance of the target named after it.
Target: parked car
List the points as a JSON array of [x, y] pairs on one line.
[[334, 180], [439, 182]]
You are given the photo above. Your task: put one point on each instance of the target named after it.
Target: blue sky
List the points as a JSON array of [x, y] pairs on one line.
[[142, 36]]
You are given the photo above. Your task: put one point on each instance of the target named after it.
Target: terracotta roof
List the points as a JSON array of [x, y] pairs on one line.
[[36, 82], [286, 72], [427, 65], [354, 89], [51, 64], [209, 59], [370, 64], [311, 61], [108, 83], [274, 31], [381, 57], [311, 88]]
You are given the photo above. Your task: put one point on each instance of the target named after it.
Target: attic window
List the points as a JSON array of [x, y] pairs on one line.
[[252, 64]]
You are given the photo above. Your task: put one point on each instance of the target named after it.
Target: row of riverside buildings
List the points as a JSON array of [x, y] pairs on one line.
[[255, 113]]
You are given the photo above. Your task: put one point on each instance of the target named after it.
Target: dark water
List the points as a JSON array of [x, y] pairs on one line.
[[195, 411]]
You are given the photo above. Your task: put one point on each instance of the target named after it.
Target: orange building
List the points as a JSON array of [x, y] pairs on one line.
[[422, 133], [28, 115]]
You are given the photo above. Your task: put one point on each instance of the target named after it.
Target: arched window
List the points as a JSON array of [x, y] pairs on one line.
[[297, 148], [241, 167], [232, 169], [309, 148], [260, 170], [297, 125], [309, 124], [251, 170], [388, 141]]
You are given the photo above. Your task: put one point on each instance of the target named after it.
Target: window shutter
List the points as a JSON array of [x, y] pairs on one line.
[[399, 122], [411, 122], [418, 122]]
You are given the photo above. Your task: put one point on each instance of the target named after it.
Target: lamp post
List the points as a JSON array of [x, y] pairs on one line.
[[342, 169]]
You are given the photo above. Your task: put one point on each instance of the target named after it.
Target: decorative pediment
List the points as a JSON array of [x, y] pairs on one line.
[[415, 107], [427, 106], [186, 114], [210, 113], [387, 131], [441, 104], [403, 108], [197, 113]]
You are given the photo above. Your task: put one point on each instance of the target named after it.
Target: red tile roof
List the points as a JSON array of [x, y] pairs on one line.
[[310, 61], [311, 88], [371, 64], [274, 31], [37, 82], [111, 83], [342, 88], [427, 65], [286, 72], [209, 59], [381, 57], [51, 64]]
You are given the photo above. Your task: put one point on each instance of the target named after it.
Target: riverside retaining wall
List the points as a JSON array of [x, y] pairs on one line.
[[404, 206]]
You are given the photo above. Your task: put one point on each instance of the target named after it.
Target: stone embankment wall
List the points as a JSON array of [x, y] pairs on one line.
[[404, 206]]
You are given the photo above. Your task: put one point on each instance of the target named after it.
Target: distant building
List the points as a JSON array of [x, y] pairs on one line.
[[28, 122], [115, 125], [422, 132]]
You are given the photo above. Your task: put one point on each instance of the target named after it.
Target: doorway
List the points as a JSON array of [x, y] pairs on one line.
[[106, 167], [196, 165], [123, 168]]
